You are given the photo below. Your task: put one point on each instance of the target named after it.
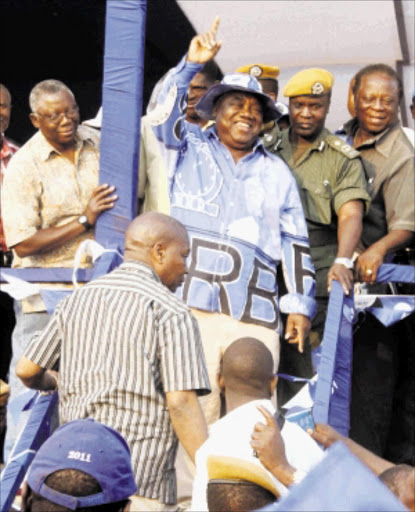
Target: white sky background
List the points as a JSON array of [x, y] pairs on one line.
[[339, 35]]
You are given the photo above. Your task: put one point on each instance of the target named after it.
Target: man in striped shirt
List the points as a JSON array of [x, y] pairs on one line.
[[130, 356]]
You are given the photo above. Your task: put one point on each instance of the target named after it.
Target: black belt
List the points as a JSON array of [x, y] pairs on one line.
[[322, 237], [6, 258]]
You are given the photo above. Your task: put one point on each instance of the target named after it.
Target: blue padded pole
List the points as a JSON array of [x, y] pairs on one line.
[[122, 103], [332, 396], [31, 439]]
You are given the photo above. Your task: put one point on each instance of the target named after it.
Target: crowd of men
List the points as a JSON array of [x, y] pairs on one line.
[[249, 211]]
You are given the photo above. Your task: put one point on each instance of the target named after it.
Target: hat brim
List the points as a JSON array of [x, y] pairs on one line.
[[204, 107]]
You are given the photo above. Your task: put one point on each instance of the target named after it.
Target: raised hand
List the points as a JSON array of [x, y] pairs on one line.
[[204, 47], [269, 445]]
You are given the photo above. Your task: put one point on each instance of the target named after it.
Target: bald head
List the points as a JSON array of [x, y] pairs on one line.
[[400, 479], [162, 243], [247, 368]]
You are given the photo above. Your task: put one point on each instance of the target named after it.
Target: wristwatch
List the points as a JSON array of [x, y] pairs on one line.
[[83, 219], [347, 262]]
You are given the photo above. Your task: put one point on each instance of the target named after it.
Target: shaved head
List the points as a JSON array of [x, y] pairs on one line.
[[150, 228], [247, 367], [162, 243], [400, 479]]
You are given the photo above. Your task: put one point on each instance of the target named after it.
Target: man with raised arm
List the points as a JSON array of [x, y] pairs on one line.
[[241, 208]]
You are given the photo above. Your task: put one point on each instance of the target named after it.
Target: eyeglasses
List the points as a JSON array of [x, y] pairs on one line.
[[5, 105], [72, 113]]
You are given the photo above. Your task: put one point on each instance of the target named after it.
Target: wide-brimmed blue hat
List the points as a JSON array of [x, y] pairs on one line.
[[236, 82]]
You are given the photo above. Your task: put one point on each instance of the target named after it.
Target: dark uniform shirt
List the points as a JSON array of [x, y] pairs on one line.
[[329, 174]]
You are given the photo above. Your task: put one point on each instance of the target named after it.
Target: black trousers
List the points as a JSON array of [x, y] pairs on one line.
[[383, 389]]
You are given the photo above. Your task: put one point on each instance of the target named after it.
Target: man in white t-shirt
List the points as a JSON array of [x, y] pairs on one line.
[[247, 381]]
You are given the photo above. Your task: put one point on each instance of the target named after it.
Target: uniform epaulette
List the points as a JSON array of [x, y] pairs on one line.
[[342, 146]]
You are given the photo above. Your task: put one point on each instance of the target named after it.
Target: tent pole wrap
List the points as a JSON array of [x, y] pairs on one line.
[[333, 388], [122, 92], [29, 441]]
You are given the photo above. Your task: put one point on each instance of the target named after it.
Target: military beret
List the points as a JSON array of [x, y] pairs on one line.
[[260, 71], [309, 81]]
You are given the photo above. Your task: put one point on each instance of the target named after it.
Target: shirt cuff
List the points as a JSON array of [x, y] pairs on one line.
[[187, 70], [299, 304]]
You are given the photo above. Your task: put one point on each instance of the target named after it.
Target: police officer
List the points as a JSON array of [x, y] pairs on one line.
[[267, 77], [332, 186]]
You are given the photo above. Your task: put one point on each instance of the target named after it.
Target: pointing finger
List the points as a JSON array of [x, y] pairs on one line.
[[269, 418], [215, 24]]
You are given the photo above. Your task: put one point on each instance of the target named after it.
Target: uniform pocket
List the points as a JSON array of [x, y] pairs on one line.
[[316, 198]]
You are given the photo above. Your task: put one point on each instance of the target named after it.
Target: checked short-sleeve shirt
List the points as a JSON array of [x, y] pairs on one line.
[[123, 341], [43, 189]]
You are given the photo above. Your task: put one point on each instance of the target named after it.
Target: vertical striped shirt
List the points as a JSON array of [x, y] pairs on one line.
[[123, 341]]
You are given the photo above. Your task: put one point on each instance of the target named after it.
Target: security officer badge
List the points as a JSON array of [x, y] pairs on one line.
[[317, 88], [256, 71]]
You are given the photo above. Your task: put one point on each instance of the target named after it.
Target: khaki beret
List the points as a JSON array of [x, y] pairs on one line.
[[309, 81], [260, 71], [232, 468]]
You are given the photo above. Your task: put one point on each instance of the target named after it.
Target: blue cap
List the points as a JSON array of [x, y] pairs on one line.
[[236, 82], [88, 446]]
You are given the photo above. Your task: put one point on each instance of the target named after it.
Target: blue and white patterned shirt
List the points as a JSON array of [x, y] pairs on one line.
[[243, 218]]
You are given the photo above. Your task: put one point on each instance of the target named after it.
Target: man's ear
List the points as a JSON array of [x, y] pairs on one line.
[[27, 498], [34, 119], [221, 382], [273, 384], [158, 253]]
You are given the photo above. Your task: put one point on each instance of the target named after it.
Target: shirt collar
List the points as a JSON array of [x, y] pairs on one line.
[[140, 266], [5, 150], [318, 145], [382, 141], [45, 149], [242, 410]]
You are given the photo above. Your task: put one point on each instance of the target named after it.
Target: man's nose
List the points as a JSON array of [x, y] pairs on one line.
[[306, 112], [377, 104], [247, 109]]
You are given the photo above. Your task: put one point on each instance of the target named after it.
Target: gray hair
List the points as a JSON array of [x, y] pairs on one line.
[[46, 87]]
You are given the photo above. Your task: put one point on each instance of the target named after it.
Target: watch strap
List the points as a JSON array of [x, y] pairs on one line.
[[347, 262]]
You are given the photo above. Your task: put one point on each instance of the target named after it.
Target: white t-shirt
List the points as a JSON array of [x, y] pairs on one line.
[[231, 436]]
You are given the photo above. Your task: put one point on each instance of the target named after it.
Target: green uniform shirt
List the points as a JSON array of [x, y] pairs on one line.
[[329, 174]]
